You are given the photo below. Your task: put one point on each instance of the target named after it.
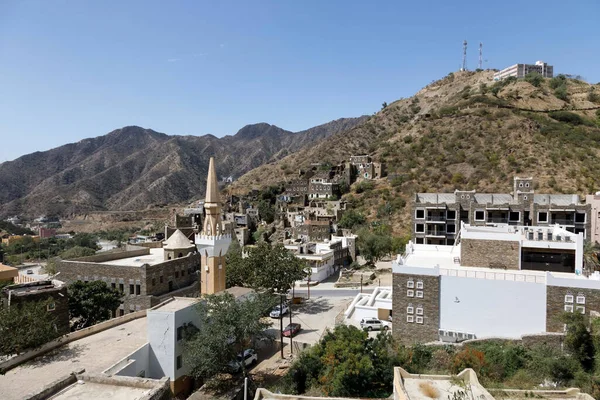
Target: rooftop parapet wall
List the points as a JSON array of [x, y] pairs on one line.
[[104, 257]]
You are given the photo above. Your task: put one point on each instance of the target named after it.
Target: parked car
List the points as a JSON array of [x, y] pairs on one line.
[[292, 329], [371, 324], [29, 272], [279, 312], [249, 357]]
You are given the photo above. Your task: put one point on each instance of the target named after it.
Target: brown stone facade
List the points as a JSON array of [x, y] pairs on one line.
[[490, 253], [421, 295], [556, 300], [149, 282]]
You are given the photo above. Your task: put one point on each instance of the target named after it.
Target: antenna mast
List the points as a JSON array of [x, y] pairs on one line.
[[480, 55], [464, 63]]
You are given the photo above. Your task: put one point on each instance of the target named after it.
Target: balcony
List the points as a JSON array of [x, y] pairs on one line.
[[436, 218], [436, 233], [564, 221], [497, 220]]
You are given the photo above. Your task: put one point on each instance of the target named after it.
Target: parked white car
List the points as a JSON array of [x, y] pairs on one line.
[[249, 357], [371, 324], [279, 312]]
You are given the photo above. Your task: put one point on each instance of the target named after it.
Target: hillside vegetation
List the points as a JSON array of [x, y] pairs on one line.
[[464, 131]]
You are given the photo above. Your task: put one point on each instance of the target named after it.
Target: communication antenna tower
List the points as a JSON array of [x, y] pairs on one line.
[[480, 55], [464, 63]]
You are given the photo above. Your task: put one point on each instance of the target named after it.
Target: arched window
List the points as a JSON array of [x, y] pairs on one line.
[[180, 255]]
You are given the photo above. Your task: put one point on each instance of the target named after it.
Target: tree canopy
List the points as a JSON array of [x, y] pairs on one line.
[[92, 302], [374, 244], [270, 268], [350, 219], [226, 328], [25, 326]]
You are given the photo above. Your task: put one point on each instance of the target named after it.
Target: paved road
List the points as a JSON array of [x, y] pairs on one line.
[[327, 292]]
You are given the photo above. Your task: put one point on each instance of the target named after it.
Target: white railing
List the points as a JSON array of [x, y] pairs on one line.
[[516, 276]]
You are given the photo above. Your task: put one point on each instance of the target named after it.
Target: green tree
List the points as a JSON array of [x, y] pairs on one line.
[[226, 328], [534, 78], [579, 341], [373, 244], [266, 211], [92, 302], [25, 326], [76, 252], [350, 219], [274, 268], [384, 105], [237, 273]]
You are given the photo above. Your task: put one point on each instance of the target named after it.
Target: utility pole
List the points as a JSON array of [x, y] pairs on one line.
[[291, 347], [464, 61], [361, 282], [480, 55], [281, 323]]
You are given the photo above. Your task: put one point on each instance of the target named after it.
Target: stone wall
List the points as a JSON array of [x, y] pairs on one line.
[[61, 305], [556, 302], [490, 253], [414, 332]]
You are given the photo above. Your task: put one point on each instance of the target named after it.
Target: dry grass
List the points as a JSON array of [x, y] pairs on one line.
[[428, 390]]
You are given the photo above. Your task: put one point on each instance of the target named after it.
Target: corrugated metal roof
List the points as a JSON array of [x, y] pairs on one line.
[[493, 198], [556, 199], [435, 198]]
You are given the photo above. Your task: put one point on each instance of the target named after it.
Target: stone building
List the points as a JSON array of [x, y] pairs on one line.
[[55, 292], [501, 281], [436, 217], [314, 231], [145, 275], [365, 168]]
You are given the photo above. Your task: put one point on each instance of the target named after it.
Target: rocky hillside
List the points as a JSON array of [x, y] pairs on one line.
[[465, 131], [134, 168]]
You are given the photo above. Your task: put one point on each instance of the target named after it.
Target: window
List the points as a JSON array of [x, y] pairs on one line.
[[180, 333], [580, 309], [568, 307], [51, 306], [521, 184], [479, 215], [176, 274], [121, 312], [419, 320], [131, 289], [419, 284], [580, 218], [514, 216], [410, 310], [410, 284], [161, 279], [580, 299], [179, 362], [419, 241], [410, 318], [419, 228], [451, 214], [410, 293], [451, 228], [419, 214], [113, 285], [420, 294], [542, 217], [153, 281], [419, 310], [182, 273], [569, 298], [121, 287], [138, 289]]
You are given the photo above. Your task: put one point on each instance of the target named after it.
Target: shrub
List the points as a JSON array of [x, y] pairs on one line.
[[593, 96], [534, 78], [561, 93], [566, 116], [559, 80], [469, 358]]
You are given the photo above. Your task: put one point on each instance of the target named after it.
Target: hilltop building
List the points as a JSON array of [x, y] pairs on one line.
[[364, 168], [437, 216], [520, 70], [594, 201], [213, 242], [495, 281]]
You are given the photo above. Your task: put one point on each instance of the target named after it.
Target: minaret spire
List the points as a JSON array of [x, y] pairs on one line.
[[212, 204]]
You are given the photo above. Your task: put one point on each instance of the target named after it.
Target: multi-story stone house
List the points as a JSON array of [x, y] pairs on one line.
[[436, 217], [496, 281], [365, 168]]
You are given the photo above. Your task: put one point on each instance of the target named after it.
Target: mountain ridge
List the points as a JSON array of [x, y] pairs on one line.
[[133, 167]]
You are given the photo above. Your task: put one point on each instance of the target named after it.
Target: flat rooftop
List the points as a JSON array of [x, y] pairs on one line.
[[422, 388], [94, 353], [156, 256], [176, 304], [98, 391]]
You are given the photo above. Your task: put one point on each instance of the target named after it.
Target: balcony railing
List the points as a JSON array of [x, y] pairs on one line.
[[497, 220], [563, 221], [436, 233], [436, 218]]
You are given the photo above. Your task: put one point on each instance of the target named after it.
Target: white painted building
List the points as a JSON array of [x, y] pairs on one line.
[[377, 304], [320, 261], [526, 278], [520, 70]]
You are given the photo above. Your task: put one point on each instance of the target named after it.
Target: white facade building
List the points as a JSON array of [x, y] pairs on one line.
[[520, 70]]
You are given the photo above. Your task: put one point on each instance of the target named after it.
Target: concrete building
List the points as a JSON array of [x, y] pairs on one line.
[[377, 304], [520, 70], [503, 281], [594, 201], [314, 231], [212, 243], [8, 273], [324, 258], [364, 168], [55, 292], [436, 217], [145, 275]]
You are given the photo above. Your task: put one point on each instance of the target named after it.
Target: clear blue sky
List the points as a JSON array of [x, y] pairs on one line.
[[76, 69]]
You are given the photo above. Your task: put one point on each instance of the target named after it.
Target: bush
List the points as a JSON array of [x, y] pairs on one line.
[[469, 358], [568, 117], [534, 78], [559, 80], [561, 93]]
